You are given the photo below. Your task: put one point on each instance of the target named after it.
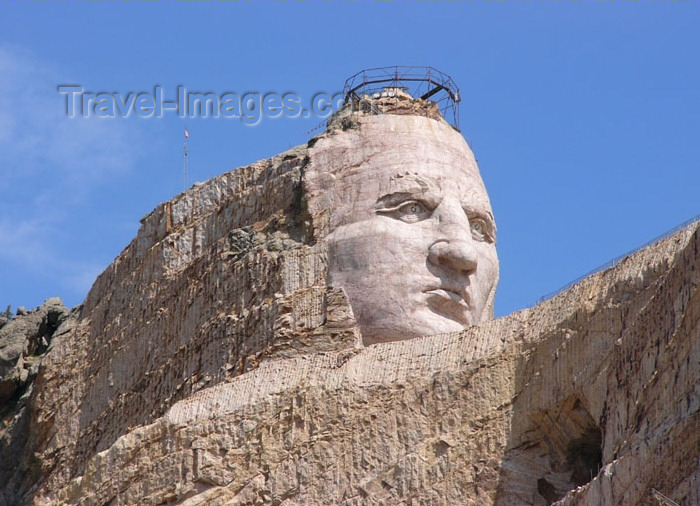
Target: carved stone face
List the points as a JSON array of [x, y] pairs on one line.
[[412, 235]]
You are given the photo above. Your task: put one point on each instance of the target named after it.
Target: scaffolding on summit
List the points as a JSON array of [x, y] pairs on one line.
[[424, 83]]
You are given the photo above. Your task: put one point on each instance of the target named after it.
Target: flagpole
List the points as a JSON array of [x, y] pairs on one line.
[[185, 158]]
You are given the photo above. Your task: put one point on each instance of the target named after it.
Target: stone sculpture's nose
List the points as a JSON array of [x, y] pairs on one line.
[[454, 247], [458, 255]]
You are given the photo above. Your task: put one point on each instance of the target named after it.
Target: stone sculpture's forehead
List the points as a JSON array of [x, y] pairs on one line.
[[396, 154]]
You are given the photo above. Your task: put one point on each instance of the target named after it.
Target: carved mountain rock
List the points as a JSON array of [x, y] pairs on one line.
[[212, 363]]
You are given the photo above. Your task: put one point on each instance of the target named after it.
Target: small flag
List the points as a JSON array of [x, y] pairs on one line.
[[187, 134]]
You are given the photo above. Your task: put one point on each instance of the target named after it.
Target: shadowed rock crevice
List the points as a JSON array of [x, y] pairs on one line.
[[564, 449], [584, 456]]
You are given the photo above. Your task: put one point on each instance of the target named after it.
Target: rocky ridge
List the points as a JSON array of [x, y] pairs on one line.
[[590, 398]]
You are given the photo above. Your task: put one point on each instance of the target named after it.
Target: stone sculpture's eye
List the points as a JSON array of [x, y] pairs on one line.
[[480, 230], [408, 212]]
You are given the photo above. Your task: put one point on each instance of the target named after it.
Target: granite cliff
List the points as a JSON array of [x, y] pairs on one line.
[[212, 363]]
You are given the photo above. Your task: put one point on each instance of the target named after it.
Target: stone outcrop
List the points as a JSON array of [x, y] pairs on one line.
[[212, 363], [23, 342], [22, 339]]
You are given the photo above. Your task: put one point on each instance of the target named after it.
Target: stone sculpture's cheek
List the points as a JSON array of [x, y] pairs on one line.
[[484, 279], [395, 292]]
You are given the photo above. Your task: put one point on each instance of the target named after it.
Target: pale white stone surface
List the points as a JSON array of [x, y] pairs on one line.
[[411, 234]]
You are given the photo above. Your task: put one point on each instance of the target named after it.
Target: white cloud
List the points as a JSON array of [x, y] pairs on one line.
[[21, 240], [36, 136], [51, 164]]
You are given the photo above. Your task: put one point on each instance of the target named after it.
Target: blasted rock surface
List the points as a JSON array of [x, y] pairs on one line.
[[222, 277], [590, 398]]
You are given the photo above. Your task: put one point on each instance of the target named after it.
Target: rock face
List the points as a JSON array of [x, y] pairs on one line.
[[214, 363]]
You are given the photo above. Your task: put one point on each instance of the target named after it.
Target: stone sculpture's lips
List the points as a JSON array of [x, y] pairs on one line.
[[450, 301]]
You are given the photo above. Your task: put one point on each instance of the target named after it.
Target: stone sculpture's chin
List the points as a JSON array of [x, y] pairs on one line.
[[379, 324], [388, 334]]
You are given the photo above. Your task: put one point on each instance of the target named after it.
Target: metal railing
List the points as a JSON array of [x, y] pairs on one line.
[[618, 259], [426, 83], [663, 499]]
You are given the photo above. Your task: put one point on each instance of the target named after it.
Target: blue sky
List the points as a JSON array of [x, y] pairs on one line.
[[584, 117]]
